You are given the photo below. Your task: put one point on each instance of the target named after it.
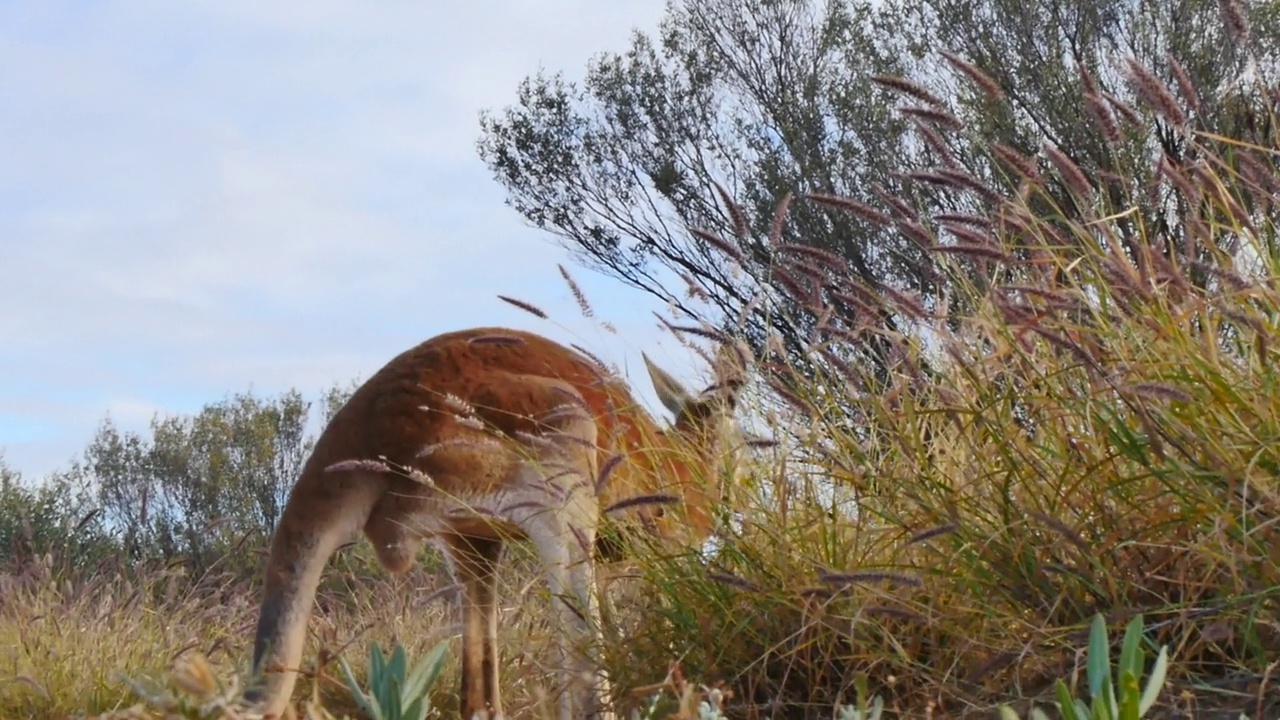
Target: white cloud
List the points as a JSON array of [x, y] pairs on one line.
[[202, 197]]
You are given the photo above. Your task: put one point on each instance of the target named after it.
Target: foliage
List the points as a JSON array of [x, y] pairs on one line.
[[56, 514], [197, 485], [768, 94], [189, 489], [396, 692]]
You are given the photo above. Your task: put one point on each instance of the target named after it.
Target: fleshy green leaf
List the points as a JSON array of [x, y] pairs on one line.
[[1098, 664], [376, 665], [1066, 704], [399, 663], [877, 708], [1156, 682], [1129, 695], [1131, 655], [416, 710], [1104, 704], [428, 670], [363, 701]]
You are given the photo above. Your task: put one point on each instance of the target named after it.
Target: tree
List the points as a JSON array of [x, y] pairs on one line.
[[57, 515], [765, 98], [770, 97], [1142, 72], [196, 485]]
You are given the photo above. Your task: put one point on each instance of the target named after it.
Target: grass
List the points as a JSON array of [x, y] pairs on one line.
[[70, 646], [1081, 416]]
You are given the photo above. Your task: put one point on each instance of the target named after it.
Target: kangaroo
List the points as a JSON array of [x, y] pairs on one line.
[[481, 436]]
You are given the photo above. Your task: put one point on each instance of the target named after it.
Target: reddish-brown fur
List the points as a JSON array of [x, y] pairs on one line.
[[516, 429]]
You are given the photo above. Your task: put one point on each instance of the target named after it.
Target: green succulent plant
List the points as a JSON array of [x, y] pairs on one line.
[[1133, 700], [396, 692]]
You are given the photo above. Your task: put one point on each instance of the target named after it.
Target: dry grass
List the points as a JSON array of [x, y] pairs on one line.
[[70, 644]]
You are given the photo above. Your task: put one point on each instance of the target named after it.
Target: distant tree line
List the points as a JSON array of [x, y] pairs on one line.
[[199, 490]]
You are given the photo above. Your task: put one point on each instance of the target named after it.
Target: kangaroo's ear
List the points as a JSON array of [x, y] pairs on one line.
[[732, 363], [670, 392]]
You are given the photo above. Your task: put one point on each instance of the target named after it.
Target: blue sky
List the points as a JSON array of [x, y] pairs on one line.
[[199, 198]]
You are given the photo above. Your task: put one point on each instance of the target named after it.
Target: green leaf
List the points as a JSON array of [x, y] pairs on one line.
[[1128, 696], [860, 686], [1131, 655], [1098, 663], [1104, 704], [396, 668], [877, 707], [1007, 713], [1100, 710], [363, 701], [376, 665], [1156, 682], [428, 669], [416, 710], [1066, 704], [403, 699], [379, 677]]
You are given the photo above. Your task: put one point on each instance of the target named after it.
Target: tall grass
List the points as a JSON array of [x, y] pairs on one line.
[[77, 642], [1080, 415]]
